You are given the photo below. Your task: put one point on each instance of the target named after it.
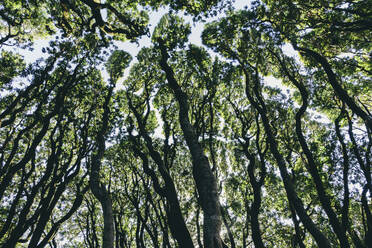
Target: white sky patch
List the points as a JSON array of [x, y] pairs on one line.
[[345, 55], [30, 55], [274, 82], [289, 50]]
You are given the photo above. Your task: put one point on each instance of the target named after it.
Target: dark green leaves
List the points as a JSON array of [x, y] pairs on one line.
[[117, 63], [11, 65], [172, 31]]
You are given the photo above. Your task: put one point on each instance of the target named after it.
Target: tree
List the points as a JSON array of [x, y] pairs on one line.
[[193, 146]]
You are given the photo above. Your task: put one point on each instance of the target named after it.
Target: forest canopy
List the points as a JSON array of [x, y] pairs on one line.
[[186, 145]]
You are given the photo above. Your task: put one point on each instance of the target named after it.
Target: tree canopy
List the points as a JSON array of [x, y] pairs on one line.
[[261, 136]]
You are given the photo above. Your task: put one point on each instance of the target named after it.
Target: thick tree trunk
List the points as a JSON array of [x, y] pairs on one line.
[[177, 224], [204, 179], [297, 238]]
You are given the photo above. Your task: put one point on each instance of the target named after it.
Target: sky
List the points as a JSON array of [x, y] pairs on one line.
[[132, 48], [31, 56], [195, 36]]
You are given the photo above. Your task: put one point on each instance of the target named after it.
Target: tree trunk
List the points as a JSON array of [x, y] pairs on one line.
[[99, 190], [312, 165], [204, 179], [340, 92], [260, 106]]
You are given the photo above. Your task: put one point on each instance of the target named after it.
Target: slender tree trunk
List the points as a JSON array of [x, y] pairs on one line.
[[340, 92], [229, 233], [298, 239], [312, 166], [98, 189], [176, 221], [365, 166], [205, 180], [260, 106], [255, 207]]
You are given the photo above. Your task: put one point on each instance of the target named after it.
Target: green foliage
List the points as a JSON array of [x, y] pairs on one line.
[[24, 21], [172, 31], [11, 65], [117, 63], [52, 111]]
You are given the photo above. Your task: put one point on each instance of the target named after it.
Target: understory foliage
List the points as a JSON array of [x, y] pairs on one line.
[[260, 137]]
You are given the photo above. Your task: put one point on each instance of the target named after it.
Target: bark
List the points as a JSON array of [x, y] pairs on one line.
[[198, 235], [176, 221], [98, 189], [368, 235], [340, 92], [12, 210], [260, 106], [298, 238], [245, 232], [312, 167], [205, 180], [229, 233], [77, 202], [256, 184], [6, 180], [54, 193], [255, 207], [23, 222], [346, 165], [28, 92]]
